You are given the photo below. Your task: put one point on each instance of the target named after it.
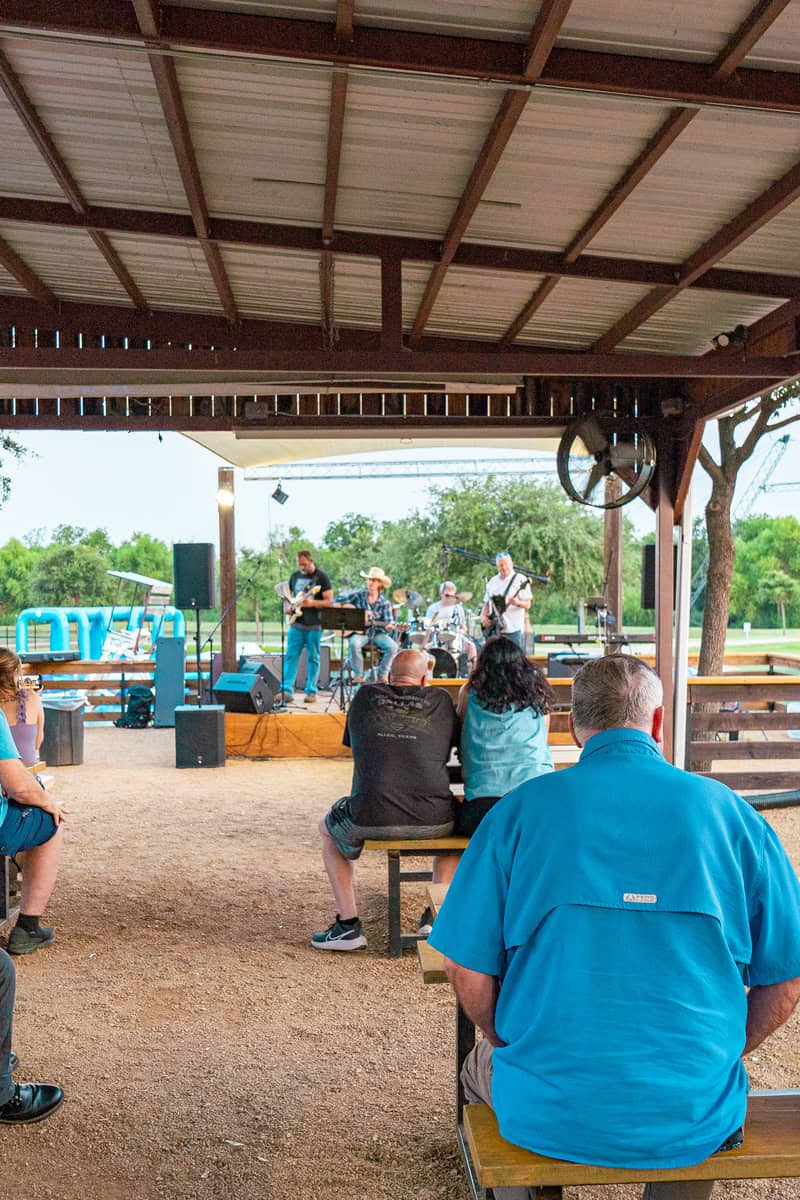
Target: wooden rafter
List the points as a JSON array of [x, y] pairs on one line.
[[433, 54], [165, 76], [152, 223], [344, 34], [543, 35], [34, 286], [738, 46], [20, 102]]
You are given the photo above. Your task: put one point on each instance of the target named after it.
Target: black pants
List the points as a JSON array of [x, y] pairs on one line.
[[470, 813]]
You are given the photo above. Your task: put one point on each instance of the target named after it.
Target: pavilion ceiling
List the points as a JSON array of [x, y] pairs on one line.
[[405, 193]]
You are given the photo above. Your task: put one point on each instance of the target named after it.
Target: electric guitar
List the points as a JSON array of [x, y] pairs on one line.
[[294, 605], [499, 604]]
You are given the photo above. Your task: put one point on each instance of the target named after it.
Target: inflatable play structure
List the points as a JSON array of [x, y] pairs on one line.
[[111, 630]]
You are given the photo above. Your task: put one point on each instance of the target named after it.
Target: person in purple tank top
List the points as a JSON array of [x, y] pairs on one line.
[[22, 707]]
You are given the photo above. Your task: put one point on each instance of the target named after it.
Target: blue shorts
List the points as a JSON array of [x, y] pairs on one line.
[[23, 828]]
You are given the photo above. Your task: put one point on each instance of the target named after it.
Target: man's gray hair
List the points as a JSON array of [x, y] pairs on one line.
[[613, 692]]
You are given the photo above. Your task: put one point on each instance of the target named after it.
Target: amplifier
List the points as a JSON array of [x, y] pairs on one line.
[[245, 692]]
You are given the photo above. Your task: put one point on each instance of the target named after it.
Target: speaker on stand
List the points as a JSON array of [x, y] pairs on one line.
[[199, 731]]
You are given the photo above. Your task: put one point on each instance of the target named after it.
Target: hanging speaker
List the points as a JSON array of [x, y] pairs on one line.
[[649, 574], [193, 573]]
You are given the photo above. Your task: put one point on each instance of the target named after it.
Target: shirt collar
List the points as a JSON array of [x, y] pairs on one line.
[[611, 739]]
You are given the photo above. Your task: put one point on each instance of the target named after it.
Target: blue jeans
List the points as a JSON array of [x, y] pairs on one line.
[[7, 981], [516, 637], [300, 638], [355, 655]]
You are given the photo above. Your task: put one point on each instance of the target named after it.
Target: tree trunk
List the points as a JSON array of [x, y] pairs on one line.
[[718, 582], [782, 610]]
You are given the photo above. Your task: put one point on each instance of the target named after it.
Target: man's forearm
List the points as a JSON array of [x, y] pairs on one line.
[[477, 994], [767, 1009]]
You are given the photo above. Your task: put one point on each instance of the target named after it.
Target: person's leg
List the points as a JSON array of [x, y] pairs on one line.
[[294, 648], [356, 656], [680, 1190], [340, 874], [476, 1076], [444, 867], [313, 642], [39, 876], [7, 984], [388, 649]]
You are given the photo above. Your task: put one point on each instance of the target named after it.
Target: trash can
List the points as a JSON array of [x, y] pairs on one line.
[[63, 733]]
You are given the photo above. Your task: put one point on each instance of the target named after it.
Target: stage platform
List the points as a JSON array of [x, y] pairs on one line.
[[285, 735]]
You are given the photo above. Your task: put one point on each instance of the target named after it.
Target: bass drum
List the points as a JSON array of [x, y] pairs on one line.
[[444, 666]]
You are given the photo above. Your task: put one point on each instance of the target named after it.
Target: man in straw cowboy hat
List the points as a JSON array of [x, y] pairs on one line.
[[380, 620]]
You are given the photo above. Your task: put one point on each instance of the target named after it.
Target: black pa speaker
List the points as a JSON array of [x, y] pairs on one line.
[[565, 666], [193, 572], [199, 736], [649, 574], [273, 663], [245, 691]]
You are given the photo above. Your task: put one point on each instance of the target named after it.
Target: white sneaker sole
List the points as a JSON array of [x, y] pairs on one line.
[[354, 944]]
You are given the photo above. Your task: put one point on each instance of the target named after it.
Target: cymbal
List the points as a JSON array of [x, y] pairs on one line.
[[407, 596], [463, 596], [399, 595]]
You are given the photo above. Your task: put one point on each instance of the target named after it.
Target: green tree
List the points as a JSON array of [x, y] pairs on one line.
[[778, 588], [764, 545], [739, 434], [143, 555], [68, 575], [12, 449], [16, 563]]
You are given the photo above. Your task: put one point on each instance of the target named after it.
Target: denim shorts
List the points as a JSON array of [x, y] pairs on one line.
[[349, 838], [24, 828]]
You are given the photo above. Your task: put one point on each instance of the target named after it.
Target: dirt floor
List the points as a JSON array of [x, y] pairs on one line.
[[205, 1049]]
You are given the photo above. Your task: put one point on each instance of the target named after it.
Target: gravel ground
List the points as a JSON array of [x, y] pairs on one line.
[[205, 1049]]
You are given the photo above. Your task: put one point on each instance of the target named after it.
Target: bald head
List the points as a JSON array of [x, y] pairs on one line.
[[409, 667]]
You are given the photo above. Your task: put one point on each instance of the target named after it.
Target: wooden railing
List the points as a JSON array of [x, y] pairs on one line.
[[724, 712], [105, 684]]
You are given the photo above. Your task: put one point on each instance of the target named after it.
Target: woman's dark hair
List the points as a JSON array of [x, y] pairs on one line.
[[503, 679]]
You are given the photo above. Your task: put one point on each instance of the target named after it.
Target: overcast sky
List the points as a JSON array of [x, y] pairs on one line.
[[126, 482]]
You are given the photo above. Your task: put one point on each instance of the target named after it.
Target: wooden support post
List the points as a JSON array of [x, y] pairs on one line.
[[391, 303], [227, 567], [665, 585], [612, 558]]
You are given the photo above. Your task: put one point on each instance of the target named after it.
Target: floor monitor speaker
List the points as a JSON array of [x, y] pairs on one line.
[[193, 571], [200, 736], [245, 692]]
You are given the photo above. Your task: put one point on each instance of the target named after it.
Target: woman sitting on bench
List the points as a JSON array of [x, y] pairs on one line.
[[505, 712], [22, 707]]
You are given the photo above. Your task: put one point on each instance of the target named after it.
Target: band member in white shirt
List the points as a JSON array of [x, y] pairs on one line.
[[507, 599]]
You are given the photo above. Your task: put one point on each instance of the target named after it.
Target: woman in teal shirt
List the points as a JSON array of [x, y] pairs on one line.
[[504, 708]]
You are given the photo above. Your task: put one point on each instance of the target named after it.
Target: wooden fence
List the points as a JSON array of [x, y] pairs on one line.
[[105, 684]]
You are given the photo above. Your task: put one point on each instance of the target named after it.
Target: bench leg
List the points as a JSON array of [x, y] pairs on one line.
[[395, 942]]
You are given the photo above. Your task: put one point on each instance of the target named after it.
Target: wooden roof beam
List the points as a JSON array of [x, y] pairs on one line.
[[552, 14], [165, 76], [751, 29], [25, 277], [20, 102], [154, 224], [431, 54]]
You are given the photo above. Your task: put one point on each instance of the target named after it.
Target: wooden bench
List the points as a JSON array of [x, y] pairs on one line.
[[771, 1150], [394, 851]]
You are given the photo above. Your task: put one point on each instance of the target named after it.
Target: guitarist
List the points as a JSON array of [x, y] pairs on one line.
[[507, 599], [313, 590]]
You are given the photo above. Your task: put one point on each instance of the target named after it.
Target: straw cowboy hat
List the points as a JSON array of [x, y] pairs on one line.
[[376, 573]]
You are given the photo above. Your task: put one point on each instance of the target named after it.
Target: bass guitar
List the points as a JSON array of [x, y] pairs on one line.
[[499, 604]]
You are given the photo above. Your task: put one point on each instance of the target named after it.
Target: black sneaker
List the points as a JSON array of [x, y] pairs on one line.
[[339, 937], [13, 1063], [26, 941], [30, 1102], [425, 923]]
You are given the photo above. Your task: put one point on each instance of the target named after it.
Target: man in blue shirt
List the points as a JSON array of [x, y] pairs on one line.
[[601, 929]]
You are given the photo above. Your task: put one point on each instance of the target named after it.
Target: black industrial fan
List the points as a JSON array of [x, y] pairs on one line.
[[605, 446]]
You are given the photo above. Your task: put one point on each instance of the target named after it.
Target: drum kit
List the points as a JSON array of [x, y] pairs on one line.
[[442, 639]]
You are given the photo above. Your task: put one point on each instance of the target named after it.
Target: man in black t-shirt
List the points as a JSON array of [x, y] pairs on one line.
[[305, 632], [401, 734]]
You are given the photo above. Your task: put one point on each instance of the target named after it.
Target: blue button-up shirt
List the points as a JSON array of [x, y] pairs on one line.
[[624, 904]]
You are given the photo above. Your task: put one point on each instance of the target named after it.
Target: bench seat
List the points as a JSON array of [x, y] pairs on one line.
[[771, 1150], [394, 851]]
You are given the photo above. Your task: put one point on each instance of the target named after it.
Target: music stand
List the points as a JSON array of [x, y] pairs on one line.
[[346, 620]]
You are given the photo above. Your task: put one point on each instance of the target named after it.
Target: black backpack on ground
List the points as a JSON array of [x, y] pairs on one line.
[[138, 710]]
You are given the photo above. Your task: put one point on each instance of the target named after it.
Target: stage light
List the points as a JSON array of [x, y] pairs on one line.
[[730, 337], [280, 495], [225, 497]]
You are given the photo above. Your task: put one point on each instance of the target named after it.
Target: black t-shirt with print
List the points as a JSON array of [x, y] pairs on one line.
[[401, 738], [297, 581]]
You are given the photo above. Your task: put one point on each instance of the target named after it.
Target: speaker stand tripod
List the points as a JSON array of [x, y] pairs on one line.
[[345, 620]]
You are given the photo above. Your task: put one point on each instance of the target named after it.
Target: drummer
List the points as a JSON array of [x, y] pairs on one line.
[[447, 615]]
